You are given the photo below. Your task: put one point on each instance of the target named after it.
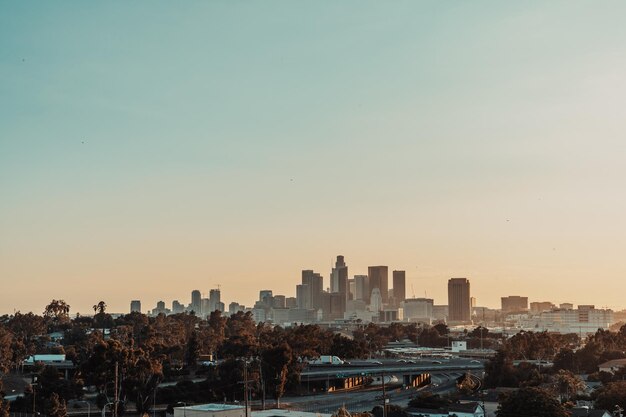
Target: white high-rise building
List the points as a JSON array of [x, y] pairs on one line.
[[376, 300]]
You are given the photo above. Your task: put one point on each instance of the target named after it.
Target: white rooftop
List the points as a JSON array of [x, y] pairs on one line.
[[286, 413], [212, 407]]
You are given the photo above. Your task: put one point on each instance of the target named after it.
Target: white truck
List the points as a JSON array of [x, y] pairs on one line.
[[327, 360]]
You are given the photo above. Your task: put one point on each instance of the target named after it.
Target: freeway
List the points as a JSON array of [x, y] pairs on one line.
[[443, 374], [392, 366], [367, 398]]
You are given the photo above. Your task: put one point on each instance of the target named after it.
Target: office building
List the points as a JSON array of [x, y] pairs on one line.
[[291, 302], [266, 296], [539, 306], [160, 309], [376, 300], [196, 301], [379, 278], [459, 306], [279, 301], [514, 304], [315, 285], [135, 306], [419, 310], [582, 321], [214, 300], [339, 277], [399, 286], [177, 307], [303, 296], [234, 308], [361, 288], [333, 306], [440, 313]]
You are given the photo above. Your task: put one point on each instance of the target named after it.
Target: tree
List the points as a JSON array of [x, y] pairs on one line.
[[57, 313], [142, 379], [530, 402], [100, 308], [499, 371], [566, 359], [55, 406], [567, 384], [100, 318], [430, 401], [610, 395], [4, 405], [240, 333], [192, 351], [52, 382], [6, 351], [275, 361]]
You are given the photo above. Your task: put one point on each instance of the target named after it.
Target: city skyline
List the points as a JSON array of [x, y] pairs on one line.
[[187, 296], [148, 149]]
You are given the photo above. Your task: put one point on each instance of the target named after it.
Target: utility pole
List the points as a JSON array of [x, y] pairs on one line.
[[262, 385], [384, 396], [245, 385], [115, 395]]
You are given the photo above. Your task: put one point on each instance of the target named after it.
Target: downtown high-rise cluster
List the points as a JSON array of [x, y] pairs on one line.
[[369, 298]]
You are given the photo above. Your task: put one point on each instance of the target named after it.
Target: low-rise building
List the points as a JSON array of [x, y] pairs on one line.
[[612, 366], [212, 410], [583, 321], [469, 409]]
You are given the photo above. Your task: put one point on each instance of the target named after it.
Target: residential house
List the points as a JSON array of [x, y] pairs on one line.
[[612, 366]]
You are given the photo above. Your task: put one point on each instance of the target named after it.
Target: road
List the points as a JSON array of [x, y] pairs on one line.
[[366, 399]]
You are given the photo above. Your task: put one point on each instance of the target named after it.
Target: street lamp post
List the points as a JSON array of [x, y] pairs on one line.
[[104, 409]]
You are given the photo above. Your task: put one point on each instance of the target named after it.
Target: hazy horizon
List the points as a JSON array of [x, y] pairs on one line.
[[149, 149]]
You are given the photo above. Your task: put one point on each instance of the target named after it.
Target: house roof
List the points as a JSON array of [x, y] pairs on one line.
[[585, 412], [469, 407], [464, 407], [426, 411], [615, 363]]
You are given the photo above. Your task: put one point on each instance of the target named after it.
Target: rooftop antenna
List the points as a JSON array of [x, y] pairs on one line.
[[412, 290]]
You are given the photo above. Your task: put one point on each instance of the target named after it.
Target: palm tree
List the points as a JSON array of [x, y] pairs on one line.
[[99, 310]]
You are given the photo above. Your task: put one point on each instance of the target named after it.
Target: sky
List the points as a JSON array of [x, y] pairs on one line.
[[150, 148]]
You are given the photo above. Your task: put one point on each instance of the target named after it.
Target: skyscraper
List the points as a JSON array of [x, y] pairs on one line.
[[399, 286], [196, 301], [339, 278], [459, 308], [379, 278], [214, 300], [315, 283], [265, 295], [361, 288], [303, 296], [135, 306]]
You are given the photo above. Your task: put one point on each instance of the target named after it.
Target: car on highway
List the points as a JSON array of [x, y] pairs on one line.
[[436, 362]]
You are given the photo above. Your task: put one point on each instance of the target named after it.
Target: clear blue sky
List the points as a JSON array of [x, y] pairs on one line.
[[151, 148]]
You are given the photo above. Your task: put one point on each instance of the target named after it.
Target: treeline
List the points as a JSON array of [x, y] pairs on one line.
[[149, 350], [570, 358]]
